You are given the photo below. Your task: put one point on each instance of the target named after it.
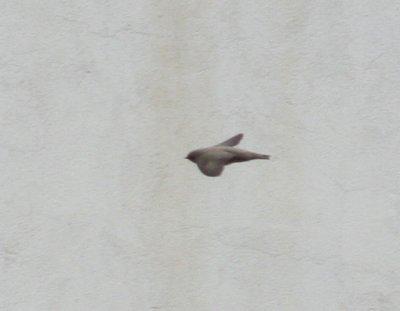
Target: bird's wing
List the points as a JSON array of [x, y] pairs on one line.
[[209, 167], [233, 141]]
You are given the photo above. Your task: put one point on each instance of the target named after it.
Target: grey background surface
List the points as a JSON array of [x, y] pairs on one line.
[[102, 100]]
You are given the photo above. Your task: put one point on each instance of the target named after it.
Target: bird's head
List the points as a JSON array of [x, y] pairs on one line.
[[192, 156]]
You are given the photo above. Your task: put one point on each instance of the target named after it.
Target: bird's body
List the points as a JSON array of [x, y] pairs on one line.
[[211, 160]]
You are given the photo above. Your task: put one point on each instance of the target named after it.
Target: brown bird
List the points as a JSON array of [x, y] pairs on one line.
[[211, 160]]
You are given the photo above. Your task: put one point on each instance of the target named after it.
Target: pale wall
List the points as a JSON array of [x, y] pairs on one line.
[[102, 100]]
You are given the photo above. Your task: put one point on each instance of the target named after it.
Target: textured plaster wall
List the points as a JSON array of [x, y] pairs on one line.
[[101, 101]]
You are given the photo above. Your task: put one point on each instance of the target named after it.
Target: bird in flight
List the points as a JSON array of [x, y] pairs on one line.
[[211, 160]]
